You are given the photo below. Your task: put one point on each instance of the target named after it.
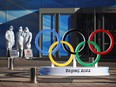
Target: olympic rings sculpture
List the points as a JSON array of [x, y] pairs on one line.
[[92, 45]]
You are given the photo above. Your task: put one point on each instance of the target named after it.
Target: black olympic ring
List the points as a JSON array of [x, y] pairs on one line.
[[64, 37]]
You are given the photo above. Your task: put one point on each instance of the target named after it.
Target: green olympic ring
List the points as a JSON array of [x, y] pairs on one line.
[[78, 58]]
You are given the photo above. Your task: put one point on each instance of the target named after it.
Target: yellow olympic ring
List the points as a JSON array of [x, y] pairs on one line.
[[61, 64]]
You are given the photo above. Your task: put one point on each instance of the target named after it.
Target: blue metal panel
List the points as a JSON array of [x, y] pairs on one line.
[[2, 4], [58, 3], [36, 4], [94, 3], [22, 4]]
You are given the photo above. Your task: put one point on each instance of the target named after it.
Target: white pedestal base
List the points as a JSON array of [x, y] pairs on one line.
[[77, 71]]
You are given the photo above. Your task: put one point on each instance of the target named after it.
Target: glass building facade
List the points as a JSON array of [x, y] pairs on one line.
[[61, 16]]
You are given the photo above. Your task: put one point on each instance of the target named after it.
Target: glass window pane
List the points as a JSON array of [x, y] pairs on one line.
[[63, 28], [48, 37]]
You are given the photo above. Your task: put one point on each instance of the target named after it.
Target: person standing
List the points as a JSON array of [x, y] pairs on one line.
[[10, 40], [27, 39], [19, 41]]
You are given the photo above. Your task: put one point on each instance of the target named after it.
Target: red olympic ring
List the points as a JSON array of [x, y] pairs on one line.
[[111, 41]]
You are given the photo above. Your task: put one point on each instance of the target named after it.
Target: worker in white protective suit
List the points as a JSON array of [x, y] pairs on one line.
[[19, 41], [27, 38], [10, 40]]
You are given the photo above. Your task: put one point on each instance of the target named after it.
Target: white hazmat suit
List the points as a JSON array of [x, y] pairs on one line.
[[20, 40], [10, 39], [27, 39]]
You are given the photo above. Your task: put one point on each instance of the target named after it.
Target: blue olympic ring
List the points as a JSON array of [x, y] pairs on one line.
[[37, 40]]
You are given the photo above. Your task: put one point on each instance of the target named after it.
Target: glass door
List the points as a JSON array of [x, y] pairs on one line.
[[64, 26], [47, 37], [106, 21], [110, 24], [58, 22], [85, 25]]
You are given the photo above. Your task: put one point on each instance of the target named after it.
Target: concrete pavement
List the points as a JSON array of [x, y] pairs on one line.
[[20, 76]]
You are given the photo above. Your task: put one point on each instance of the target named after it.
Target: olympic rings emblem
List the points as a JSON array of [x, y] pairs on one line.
[[92, 45]]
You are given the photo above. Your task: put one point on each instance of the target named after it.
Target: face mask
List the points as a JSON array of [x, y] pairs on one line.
[[20, 30], [11, 29], [26, 30]]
